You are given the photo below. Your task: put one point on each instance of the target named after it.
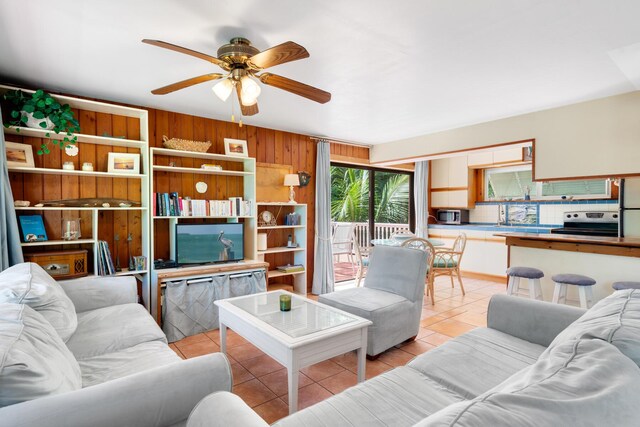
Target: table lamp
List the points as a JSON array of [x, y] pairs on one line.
[[292, 180]]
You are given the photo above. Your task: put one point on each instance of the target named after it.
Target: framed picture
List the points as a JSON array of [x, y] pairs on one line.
[[19, 154], [124, 163], [235, 147], [32, 228]]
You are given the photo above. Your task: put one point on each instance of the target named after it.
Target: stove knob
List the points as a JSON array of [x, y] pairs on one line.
[[575, 215], [615, 215], [568, 216]]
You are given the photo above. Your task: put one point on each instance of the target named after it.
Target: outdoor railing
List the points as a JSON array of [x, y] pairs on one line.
[[381, 230]]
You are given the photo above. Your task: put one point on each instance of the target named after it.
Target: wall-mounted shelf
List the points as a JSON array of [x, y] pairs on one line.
[[89, 139], [277, 273], [195, 155], [201, 217], [280, 250], [47, 171], [280, 227], [179, 169], [80, 208], [59, 242]]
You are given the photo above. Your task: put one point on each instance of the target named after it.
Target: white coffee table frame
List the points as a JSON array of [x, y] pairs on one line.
[[295, 353]]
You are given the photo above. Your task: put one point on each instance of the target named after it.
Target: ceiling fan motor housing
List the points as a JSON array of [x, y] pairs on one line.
[[237, 51]]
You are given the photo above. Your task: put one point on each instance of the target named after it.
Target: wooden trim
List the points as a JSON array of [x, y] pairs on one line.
[[356, 161], [484, 276], [449, 189], [443, 153]]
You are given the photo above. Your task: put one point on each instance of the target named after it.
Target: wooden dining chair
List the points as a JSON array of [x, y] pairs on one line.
[[447, 260], [424, 245]]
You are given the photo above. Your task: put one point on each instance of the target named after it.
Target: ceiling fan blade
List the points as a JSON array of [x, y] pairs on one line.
[[186, 51], [247, 110], [285, 52], [186, 83], [298, 88]]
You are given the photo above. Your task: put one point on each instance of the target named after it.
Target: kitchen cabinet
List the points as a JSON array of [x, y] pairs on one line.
[[511, 155], [452, 199], [476, 160], [453, 183]]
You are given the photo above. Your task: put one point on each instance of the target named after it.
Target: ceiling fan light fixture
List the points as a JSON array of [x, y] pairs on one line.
[[223, 89], [250, 86]]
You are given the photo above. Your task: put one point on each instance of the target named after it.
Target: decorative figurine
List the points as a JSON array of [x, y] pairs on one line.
[[117, 239], [132, 262]]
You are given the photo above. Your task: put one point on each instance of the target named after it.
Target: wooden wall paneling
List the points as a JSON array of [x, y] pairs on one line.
[[120, 191], [105, 186], [134, 218]]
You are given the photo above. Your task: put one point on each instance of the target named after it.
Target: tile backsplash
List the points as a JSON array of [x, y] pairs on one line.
[[536, 213]]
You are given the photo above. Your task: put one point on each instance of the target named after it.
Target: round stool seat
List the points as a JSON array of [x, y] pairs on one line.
[[573, 279], [618, 286], [525, 272]]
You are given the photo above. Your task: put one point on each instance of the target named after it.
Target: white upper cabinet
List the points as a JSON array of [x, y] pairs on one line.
[[440, 173], [458, 172], [480, 159], [509, 155]]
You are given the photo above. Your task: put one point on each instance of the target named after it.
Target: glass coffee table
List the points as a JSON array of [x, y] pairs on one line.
[[310, 333]]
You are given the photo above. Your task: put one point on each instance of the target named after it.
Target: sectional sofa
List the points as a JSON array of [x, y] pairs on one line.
[[536, 364], [85, 353]]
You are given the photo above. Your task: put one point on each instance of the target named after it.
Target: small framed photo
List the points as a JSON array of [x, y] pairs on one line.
[[235, 147], [32, 228], [20, 155], [124, 163]]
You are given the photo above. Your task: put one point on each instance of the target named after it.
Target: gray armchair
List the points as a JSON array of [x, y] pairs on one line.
[[391, 296]]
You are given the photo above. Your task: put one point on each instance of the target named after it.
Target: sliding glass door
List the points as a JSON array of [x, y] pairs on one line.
[[367, 203]]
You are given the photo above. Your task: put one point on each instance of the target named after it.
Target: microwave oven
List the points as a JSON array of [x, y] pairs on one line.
[[452, 216]]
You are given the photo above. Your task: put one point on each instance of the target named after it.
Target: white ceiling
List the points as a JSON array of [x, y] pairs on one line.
[[396, 69]]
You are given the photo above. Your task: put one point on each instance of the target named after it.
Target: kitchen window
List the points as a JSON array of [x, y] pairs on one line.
[[514, 182]]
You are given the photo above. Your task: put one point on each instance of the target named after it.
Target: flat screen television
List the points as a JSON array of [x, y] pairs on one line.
[[209, 243]]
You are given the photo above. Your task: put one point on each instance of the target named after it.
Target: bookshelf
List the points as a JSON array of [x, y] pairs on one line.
[[236, 179], [42, 180], [277, 253]]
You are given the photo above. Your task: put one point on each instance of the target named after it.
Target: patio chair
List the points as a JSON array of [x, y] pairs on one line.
[[362, 260], [424, 245], [447, 260], [391, 296], [342, 240]]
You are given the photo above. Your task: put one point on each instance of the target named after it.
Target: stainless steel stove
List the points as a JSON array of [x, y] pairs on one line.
[[594, 223]]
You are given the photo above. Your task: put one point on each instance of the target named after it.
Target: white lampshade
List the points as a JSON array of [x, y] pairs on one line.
[[223, 89], [250, 87], [246, 99], [291, 179]]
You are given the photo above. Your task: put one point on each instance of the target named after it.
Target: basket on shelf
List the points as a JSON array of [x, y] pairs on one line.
[[185, 144]]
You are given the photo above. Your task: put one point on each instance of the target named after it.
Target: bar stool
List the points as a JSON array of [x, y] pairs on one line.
[[584, 284], [618, 286], [533, 275]]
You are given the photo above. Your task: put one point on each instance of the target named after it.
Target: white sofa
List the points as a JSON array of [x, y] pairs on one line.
[[85, 353]]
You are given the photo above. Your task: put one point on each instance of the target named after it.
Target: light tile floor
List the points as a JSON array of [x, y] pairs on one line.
[[262, 383]]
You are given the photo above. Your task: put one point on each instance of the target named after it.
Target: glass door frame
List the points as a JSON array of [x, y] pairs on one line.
[[372, 184]]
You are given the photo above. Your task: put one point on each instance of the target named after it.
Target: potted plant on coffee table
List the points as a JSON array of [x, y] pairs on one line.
[[40, 110]]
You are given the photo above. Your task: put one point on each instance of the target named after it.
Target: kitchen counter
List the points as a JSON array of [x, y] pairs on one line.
[[622, 246], [605, 259]]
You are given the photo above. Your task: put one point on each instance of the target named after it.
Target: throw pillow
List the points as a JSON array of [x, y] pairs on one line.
[[615, 319], [580, 382], [34, 362], [28, 283]]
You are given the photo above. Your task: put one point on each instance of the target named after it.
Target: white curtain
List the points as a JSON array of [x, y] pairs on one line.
[[10, 250], [323, 260], [421, 197]]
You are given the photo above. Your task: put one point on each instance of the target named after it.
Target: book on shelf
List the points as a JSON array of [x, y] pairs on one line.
[[171, 204], [290, 268], [105, 262]]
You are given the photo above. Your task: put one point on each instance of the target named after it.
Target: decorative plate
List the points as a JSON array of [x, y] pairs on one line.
[[201, 187], [71, 150]]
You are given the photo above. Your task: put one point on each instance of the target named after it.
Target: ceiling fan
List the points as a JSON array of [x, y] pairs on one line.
[[242, 62]]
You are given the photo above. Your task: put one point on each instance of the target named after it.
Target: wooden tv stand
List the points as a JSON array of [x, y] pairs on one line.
[[199, 270]]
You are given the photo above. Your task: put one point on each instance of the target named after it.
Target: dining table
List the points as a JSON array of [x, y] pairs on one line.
[[399, 242]]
